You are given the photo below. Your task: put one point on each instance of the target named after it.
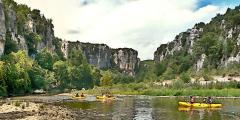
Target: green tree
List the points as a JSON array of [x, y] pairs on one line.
[[37, 77], [61, 73], [17, 78], [96, 75], [160, 69], [3, 91], [76, 58], [185, 78], [10, 45], [32, 40], [45, 59], [106, 79]]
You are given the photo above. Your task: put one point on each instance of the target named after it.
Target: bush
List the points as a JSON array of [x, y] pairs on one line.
[[3, 91], [185, 78]]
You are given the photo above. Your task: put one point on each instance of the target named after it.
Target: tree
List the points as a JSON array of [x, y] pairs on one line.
[[2, 80], [96, 75], [185, 78], [106, 79], [17, 78], [32, 40], [10, 45], [45, 59], [37, 77], [61, 73], [160, 69], [76, 57]]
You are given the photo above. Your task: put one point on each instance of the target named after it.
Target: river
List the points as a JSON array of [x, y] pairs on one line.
[[154, 108]]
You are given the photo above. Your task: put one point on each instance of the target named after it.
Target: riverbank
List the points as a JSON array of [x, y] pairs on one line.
[[165, 91]]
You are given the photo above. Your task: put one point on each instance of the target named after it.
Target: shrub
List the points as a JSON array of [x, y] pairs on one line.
[[185, 78]]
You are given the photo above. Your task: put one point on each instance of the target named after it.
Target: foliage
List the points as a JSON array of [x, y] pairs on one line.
[[17, 78], [96, 76], [146, 71], [160, 69], [60, 69], [45, 59], [32, 41], [106, 79], [10, 45], [185, 78], [122, 78], [37, 77]]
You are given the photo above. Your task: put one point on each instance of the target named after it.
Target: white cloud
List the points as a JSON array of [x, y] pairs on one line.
[[139, 24]]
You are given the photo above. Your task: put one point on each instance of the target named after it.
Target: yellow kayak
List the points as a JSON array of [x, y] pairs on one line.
[[78, 97], [199, 105], [104, 97], [180, 108]]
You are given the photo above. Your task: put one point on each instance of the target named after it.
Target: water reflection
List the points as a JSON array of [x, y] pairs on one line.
[[156, 108]]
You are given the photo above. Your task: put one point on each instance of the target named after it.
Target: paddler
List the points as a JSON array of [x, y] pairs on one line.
[[191, 99], [209, 100], [76, 95], [82, 95]]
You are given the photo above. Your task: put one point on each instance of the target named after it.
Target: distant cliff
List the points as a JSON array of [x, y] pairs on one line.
[[24, 29], [123, 59], [214, 44]]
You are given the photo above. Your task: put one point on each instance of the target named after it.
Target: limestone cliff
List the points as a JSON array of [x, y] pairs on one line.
[[225, 29], [2, 28], [123, 59], [32, 32]]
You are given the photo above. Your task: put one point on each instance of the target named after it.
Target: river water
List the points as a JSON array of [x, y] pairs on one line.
[[154, 108]]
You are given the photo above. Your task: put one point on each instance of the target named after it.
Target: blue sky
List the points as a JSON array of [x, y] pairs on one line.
[[139, 24], [231, 3]]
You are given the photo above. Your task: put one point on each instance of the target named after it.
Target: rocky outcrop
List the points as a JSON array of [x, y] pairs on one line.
[[2, 29], [126, 60], [199, 64], [35, 33], [226, 29], [100, 55], [183, 40], [97, 54]]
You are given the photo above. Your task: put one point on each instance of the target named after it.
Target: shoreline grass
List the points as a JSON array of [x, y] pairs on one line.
[[226, 92]]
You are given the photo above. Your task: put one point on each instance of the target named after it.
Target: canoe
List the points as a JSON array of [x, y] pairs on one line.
[[78, 97], [104, 97], [199, 105]]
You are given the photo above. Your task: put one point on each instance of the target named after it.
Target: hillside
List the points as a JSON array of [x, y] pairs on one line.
[[32, 57], [215, 45]]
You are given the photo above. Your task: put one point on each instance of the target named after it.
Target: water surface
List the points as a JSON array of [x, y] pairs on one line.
[[155, 108]]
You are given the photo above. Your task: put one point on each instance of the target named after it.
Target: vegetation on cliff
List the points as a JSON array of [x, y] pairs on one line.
[[41, 64]]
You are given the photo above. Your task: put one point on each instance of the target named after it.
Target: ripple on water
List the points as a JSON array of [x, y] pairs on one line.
[[143, 110]]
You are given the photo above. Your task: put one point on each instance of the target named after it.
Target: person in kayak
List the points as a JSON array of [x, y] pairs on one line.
[[191, 99], [76, 95], [209, 100], [82, 95], [204, 100]]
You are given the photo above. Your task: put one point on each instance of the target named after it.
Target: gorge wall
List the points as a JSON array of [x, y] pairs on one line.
[[123, 59], [28, 30], [2, 28], [225, 29]]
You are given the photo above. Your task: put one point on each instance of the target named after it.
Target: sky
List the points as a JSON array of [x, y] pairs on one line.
[[139, 24]]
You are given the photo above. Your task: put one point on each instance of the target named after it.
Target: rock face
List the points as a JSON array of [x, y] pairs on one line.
[[35, 33], [183, 40], [97, 54], [2, 29], [126, 60], [100, 55], [228, 35]]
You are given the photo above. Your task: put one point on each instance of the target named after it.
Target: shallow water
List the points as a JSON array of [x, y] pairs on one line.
[[155, 108]]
